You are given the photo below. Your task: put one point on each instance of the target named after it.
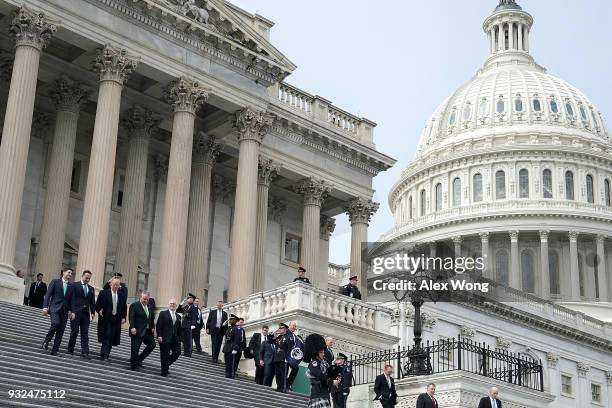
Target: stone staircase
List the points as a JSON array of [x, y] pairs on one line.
[[194, 381]]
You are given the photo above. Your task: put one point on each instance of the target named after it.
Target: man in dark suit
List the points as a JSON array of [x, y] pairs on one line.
[[141, 320], [351, 290], [255, 346], [111, 306], [266, 357], [491, 401], [83, 307], [168, 330], [188, 319], [123, 288], [37, 292], [329, 354], [384, 388], [196, 333], [56, 303], [235, 342], [216, 325], [279, 341], [428, 399], [293, 341]]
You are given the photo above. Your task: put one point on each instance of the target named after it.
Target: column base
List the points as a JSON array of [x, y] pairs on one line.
[[12, 288]]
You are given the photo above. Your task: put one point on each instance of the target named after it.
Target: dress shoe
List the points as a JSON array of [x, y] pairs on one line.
[[133, 368], [45, 345], [54, 353], [164, 374], [85, 356], [140, 364], [71, 352]]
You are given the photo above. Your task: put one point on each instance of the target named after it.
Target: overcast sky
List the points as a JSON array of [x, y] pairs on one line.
[[396, 61]]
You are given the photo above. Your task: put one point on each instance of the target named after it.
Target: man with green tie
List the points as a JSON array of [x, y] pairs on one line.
[[168, 330], [111, 306], [141, 330], [57, 305]]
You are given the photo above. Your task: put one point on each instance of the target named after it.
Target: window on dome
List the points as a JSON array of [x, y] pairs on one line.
[[547, 189], [438, 196], [500, 185], [456, 192], [452, 118], [589, 189], [483, 108], [553, 272], [569, 185], [607, 197], [537, 106], [501, 106], [467, 111], [410, 207], [569, 108], [518, 105], [423, 202], [477, 187], [501, 267], [594, 117], [583, 114], [554, 108], [527, 271], [524, 183]]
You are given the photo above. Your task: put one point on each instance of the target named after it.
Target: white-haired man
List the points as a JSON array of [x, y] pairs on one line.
[[491, 401]]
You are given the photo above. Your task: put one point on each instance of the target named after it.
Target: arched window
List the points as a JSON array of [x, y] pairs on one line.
[[477, 187], [501, 106], [453, 117], [547, 188], [483, 107], [554, 108], [553, 271], [438, 196], [569, 185], [524, 183], [569, 108], [467, 111], [423, 202], [581, 276], [607, 192], [589, 189], [518, 104], [456, 192], [583, 114], [501, 267], [500, 185], [537, 105], [410, 207], [527, 271]]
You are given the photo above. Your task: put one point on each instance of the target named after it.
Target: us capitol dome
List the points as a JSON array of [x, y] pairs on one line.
[[516, 164]]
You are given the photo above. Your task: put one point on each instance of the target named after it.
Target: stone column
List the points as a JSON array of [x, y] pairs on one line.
[[584, 390], [360, 211], [32, 33], [526, 39], [520, 36], [252, 127], [432, 249], [185, 97], [484, 252], [139, 122], [113, 65], [314, 193], [574, 271], [67, 96], [500, 37], [268, 170], [328, 225], [544, 267], [205, 153], [552, 359], [602, 276], [511, 36], [457, 242], [514, 278]]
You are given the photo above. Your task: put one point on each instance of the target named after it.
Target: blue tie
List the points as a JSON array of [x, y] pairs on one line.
[[85, 288]]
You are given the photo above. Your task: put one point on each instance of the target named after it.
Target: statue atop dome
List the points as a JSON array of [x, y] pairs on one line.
[[507, 5]]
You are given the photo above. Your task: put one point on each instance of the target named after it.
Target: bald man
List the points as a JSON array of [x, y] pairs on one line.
[[490, 401], [169, 332]]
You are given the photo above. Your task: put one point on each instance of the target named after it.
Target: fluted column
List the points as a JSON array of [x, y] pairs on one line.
[[205, 153], [510, 36], [252, 126], [268, 170], [484, 252], [186, 97], [574, 271], [514, 278], [457, 240], [544, 267], [602, 276], [500, 37], [328, 225], [114, 66], [67, 96], [360, 211], [314, 193], [520, 36], [32, 32], [139, 122]]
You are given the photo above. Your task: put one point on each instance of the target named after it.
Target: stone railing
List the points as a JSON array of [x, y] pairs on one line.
[[298, 298], [338, 275], [322, 111]]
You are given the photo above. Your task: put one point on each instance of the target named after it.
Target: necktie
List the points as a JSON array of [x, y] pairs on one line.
[[114, 303], [85, 288], [219, 316], [493, 403], [435, 403], [65, 287], [146, 309], [173, 317]]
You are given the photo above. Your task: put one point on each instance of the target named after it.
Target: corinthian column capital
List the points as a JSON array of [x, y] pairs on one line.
[[32, 28], [185, 95], [205, 149], [314, 191], [114, 64], [360, 210], [139, 121], [328, 225], [67, 94], [161, 167], [252, 124], [544, 235], [268, 170]]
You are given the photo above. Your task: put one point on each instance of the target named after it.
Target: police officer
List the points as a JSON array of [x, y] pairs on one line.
[[341, 391], [189, 321], [301, 272], [235, 342], [351, 290], [279, 341]]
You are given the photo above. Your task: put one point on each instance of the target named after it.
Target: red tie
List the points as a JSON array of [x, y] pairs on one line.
[[435, 403]]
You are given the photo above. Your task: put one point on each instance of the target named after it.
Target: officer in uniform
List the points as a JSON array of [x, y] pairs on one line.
[[279, 342], [189, 320], [122, 286], [301, 273], [235, 342], [351, 290], [341, 391]]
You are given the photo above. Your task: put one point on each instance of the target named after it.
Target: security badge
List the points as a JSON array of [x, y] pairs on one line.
[[314, 363]]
